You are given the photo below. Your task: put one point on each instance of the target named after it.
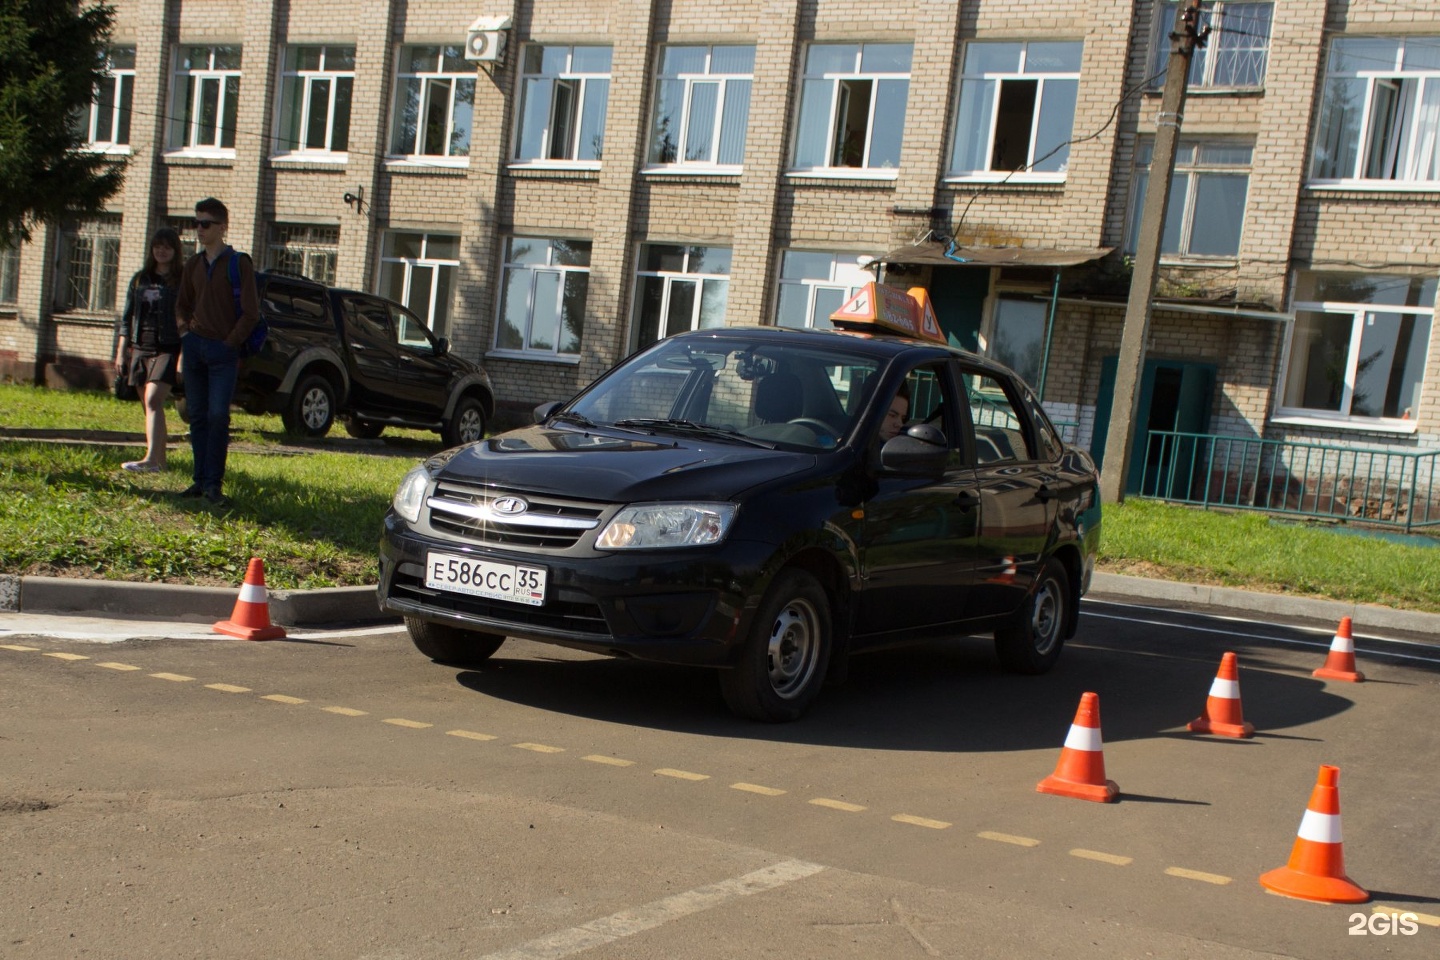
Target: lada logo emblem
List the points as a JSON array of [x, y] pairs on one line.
[[510, 506]]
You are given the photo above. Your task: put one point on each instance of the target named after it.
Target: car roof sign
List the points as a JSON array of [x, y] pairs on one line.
[[880, 308]]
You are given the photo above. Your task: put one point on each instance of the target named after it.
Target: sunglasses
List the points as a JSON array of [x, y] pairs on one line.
[[205, 224]]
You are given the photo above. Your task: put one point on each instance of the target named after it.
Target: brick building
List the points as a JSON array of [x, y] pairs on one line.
[[634, 167]]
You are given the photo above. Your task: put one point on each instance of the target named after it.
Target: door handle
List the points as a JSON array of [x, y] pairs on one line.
[[360, 347], [966, 499]]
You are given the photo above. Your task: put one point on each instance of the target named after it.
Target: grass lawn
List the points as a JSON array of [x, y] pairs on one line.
[[314, 515]]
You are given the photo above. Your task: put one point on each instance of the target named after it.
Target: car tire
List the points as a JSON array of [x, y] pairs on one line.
[[311, 410], [451, 645], [363, 429], [466, 423], [783, 663], [1032, 640]]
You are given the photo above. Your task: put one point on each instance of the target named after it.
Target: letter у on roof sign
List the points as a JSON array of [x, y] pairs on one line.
[[880, 308]]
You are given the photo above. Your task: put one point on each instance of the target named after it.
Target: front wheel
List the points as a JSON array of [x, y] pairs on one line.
[[1031, 641], [466, 423], [782, 665], [451, 645], [311, 410]]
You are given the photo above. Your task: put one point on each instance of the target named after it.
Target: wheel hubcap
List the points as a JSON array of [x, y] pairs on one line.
[[315, 409], [794, 644], [469, 426], [1045, 617]]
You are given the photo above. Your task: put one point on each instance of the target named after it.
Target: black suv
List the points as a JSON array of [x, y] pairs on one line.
[[726, 498], [370, 361]]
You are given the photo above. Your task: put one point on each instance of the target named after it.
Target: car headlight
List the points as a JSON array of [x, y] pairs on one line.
[[410, 495], [652, 526]]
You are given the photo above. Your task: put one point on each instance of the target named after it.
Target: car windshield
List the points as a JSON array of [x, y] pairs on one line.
[[786, 395]]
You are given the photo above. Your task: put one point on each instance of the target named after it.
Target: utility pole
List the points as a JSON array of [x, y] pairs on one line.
[[1116, 468]]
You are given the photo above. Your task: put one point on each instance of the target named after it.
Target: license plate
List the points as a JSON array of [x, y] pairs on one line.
[[481, 578]]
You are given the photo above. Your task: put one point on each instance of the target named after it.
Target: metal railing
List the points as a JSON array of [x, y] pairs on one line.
[[1395, 488]]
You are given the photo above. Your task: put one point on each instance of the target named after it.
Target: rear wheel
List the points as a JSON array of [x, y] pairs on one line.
[[1031, 641], [311, 410], [782, 666], [466, 423], [363, 429], [453, 645]]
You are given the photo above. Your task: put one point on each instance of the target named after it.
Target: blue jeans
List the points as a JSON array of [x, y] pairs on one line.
[[211, 369]]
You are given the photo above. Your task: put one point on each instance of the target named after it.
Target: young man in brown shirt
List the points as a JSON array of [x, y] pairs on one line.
[[213, 326]]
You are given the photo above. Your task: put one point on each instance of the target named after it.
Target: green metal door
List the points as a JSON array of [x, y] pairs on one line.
[[1174, 396]]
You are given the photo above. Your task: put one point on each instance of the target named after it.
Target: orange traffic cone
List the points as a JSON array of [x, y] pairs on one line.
[[1081, 770], [1316, 870], [1222, 708], [1340, 663], [251, 618]]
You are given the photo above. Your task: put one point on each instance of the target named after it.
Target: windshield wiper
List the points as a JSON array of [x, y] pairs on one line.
[[579, 419], [690, 426]]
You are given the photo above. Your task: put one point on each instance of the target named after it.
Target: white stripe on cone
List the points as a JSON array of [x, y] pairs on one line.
[[1083, 738], [1343, 644], [1320, 827], [252, 593], [1225, 689]]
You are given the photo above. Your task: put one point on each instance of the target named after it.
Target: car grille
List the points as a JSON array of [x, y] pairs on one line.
[[468, 511]]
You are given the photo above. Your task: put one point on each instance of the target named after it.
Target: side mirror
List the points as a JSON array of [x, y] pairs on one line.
[[921, 451], [544, 410], [442, 346]]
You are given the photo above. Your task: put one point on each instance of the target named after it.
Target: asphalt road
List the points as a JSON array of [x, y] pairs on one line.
[[338, 795]]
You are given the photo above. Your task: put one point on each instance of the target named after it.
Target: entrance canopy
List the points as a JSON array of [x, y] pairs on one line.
[[931, 253]]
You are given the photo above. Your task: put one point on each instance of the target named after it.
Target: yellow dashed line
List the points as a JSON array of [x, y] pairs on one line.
[[408, 724], [1117, 860], [66, 656], [16, 647], [1203, 877], [1008, 838], [117, 666], [537, 748], [281, 698], [837, 805], [920, 821], [176, 677], [681, 774], [469, 734], [1424, 918], [609, 761], [226, 688], [345, 711], [756, 788]]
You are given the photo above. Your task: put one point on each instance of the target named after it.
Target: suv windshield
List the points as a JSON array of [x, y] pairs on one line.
[[791, 395]]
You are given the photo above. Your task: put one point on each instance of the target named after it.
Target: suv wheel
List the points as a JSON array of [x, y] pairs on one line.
[[782, 665], [453, 645], [1031, 641], [466, 424], [363, 429], [312, 407]]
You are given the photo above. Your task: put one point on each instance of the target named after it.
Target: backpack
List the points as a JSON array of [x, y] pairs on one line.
[[261, 331]]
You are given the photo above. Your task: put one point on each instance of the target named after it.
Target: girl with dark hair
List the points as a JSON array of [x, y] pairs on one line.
[[148, 328]]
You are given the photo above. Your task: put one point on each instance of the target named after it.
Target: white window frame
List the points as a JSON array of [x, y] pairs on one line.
[[835, 99], [728, 89], [1191, 167], [551, 267], [1022, 72], [1401, 146], [583, 86], [309, 81], [435, 312], [102, 276], [115, 137], [845, 275], [316, 246], [186, 116], [1224, 19], [9, 276], [672, 278], [410, 153], [1359, 313]]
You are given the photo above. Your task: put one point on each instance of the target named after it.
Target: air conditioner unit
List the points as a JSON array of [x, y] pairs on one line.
[[485, 40]]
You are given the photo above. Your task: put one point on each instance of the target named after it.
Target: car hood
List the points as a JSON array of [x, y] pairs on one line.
[[619, 466]]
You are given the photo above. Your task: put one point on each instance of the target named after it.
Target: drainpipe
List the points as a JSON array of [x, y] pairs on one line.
[[1049, 333]]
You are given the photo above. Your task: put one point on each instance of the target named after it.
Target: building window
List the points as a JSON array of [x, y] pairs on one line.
[[1018, 335], [434, 103], [1380, 115], [702, 106], [1016, 110], [304, 249], [1206, 213], [106, 121], [542, 298], [418, 270], [189, 236], [1358, 345], [205, 98], [564, 92], [814, 285], [316, 86], [1235, 54], [89, 265], [9, 274], [679, 288], [852, 106]]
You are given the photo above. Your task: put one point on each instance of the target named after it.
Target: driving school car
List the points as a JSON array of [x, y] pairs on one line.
[[724, 498]]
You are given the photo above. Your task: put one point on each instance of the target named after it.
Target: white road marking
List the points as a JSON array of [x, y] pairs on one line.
[[627, 923]]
